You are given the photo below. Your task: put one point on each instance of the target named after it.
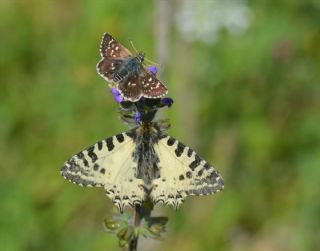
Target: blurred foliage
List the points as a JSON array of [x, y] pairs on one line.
[[250, 103]]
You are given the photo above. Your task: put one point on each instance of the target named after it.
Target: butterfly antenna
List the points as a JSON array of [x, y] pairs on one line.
[[151, 62], [133, 46], [146, 59]]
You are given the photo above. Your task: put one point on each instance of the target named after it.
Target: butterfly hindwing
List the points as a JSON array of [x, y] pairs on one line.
[[151, 87], [182, 173], [109, 164], [108, 68], [140, 85], [131, 88]]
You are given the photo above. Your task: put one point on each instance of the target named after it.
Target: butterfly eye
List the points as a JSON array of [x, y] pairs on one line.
[[141, 56]]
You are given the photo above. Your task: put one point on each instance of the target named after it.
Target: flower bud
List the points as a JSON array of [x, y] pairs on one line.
[[111, 224], [125, 233]]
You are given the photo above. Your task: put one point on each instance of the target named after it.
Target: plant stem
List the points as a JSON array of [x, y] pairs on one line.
[[137, 219], [140, 212]]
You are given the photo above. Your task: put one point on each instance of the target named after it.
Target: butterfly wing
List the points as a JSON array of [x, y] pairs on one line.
[[108, 163], [113, 54], [142, 84], [182, 173], [151, 87], [107, 68], [111, 48], [130, 88]]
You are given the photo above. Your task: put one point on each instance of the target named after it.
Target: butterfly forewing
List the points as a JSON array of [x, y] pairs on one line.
[[182, 173], [108, 163], [113, 55], [111, 48]]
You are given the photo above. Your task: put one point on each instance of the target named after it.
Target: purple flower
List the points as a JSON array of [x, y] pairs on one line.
[[152, 69], [167, 101], [137, 117], [117, 95]]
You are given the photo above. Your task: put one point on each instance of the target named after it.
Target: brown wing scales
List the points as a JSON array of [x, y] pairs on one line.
[[151, 86], [130, 88], [108, 68], [112, 48]]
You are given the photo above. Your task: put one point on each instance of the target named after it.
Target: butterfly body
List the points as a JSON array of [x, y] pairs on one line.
[[127, 72], [144, 163], [145, 137], [130, 67]]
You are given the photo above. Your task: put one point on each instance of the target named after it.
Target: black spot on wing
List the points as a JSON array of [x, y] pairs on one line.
[[80, 155], [199, 174], [99, 144], [207, 166], [195, 163], [170, 141], [96, 167], [190, 151], [179, 149], [109, 142], [120, 137], [91, 154], [85, 162]]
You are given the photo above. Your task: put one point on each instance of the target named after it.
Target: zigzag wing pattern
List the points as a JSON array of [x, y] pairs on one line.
[[182, 173], [108, 163]]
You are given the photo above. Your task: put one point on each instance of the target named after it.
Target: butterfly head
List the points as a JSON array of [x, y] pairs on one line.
[[140, 56]]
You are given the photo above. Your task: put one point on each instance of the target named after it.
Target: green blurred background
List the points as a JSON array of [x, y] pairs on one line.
[[245, 80]]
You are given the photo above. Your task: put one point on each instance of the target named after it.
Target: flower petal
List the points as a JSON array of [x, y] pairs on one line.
[[118, 98], [152, 69], [115, 91], [137, 117], [117, 95], [167, 101]]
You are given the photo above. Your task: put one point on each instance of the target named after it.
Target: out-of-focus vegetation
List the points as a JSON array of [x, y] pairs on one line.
[[249, 102]]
